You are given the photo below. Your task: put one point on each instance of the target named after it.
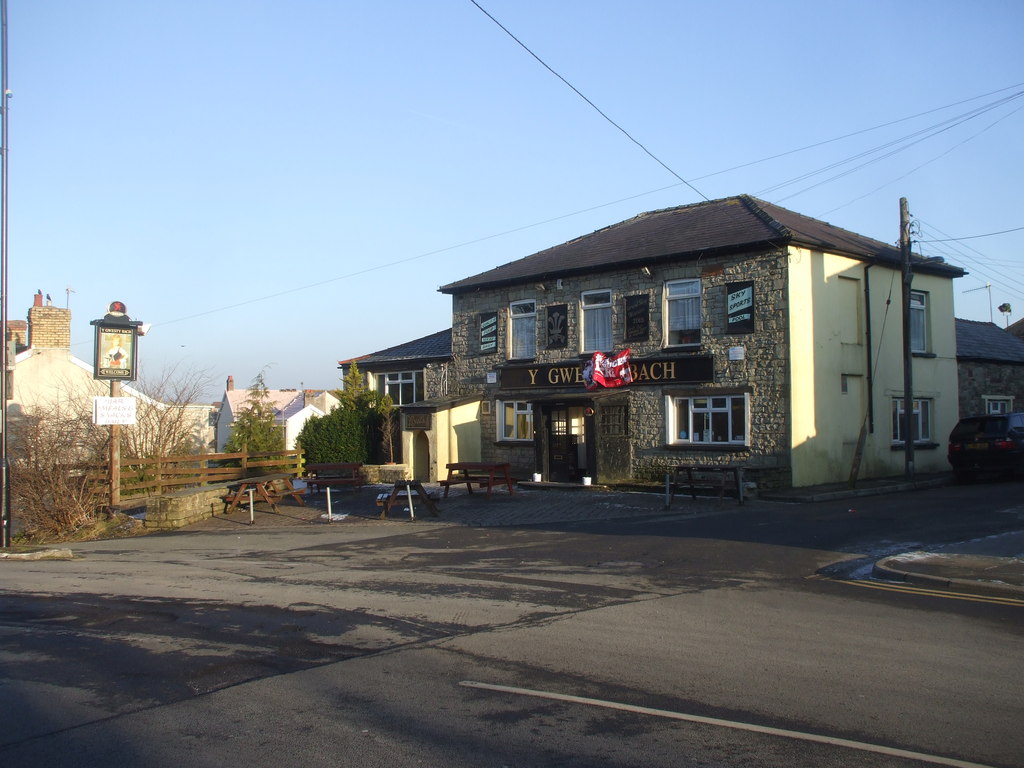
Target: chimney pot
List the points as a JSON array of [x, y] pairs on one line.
[[231, 384]]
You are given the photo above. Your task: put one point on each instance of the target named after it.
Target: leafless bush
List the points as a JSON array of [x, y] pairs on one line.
[[49, 445], [169, 420], [51, 495]]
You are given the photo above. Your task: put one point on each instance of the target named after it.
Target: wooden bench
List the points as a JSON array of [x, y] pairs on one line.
[[320, 476], [690, 477], [470, 473]]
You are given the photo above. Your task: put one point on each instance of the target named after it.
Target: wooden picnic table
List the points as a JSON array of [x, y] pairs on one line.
[[697, 475], [481, 474], [268, 488], [404, 490], [319, 476]]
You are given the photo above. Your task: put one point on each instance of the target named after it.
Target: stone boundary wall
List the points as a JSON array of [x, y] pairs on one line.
[[181, 508]]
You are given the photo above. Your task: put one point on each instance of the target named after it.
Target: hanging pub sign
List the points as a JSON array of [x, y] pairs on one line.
[[638, 317], [557, 326], [741, 307], [116, 352], [488, 333]]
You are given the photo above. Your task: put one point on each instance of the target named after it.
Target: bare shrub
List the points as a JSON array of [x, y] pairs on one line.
[[51, 495]]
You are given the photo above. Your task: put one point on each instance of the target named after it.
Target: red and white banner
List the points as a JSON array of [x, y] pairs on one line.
[[604, 371]]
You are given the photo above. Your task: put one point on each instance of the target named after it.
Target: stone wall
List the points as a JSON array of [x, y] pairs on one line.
[[181, 508], [978, 380], [762, 373]]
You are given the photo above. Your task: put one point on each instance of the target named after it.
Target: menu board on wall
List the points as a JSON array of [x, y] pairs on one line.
[[638, 317], [740, 307], [557, 326], [488, 332]]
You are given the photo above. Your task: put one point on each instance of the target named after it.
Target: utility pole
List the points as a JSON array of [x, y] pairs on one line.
[[5, 361], [908, 358]]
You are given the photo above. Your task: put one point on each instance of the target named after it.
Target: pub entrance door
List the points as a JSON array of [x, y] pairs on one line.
[[566, 440]]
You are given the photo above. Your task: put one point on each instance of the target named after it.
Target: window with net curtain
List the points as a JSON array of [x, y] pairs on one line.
[[597, 321], [683, 312], [523, 324]]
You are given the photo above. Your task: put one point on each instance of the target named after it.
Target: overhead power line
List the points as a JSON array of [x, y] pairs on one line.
[[597, 109], [972, 237]]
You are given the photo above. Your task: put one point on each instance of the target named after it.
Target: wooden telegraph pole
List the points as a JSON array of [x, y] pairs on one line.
[[115, 453], [908, 358]]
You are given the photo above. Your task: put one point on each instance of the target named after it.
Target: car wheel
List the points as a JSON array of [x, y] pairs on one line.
[[963, 476]]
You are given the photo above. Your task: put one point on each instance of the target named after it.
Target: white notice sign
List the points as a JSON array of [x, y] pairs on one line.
[[113, 410]]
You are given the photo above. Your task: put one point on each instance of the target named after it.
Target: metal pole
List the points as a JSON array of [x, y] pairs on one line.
[[908, 357], [5, 491]]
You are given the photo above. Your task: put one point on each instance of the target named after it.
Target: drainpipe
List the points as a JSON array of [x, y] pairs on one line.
[[868, 343]]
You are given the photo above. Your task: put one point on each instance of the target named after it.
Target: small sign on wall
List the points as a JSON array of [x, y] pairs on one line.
[[488, 333], [638, 317], [740, 317], [557, 331]]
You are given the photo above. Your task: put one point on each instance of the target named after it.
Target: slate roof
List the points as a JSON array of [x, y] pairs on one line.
[[730, 225], [285, 402], [436, 346], [987, 342]]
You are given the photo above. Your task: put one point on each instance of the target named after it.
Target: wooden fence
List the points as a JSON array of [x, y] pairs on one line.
[[153, 477]]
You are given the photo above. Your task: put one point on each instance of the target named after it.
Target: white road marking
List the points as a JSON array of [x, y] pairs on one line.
[[813, 737]]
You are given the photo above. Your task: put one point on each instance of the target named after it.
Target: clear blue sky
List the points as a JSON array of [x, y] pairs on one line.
[[282, 185]]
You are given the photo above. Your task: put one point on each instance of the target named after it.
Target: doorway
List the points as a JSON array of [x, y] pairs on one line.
[[566, 440]]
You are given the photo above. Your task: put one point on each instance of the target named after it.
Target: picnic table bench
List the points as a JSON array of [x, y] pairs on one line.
[[320, 476], [483, 475], [692, 476], [402, 493], [268, 488]]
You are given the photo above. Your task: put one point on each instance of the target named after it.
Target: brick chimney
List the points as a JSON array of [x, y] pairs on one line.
[[231, 384], [49, 327]]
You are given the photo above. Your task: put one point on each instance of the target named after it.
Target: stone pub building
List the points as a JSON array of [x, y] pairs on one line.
[[757, 336]]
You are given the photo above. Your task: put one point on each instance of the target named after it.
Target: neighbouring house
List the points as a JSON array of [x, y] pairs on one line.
[[46, 375], [756, 336], [990, 365], [415, 375], [1017, 329], [292, 409]]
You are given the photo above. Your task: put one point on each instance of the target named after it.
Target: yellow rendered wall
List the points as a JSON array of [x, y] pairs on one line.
[[827, 343]]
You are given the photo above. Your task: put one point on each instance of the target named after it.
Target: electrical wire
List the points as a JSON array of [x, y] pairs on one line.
[[599, 111]]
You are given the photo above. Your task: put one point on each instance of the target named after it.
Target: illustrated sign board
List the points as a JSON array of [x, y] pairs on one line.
[[116, 349], [113, 410]]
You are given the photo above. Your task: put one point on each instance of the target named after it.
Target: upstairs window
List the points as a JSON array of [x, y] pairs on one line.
[[405, 387], [597, 321], [918, 321], [683, 311], [523, 330]]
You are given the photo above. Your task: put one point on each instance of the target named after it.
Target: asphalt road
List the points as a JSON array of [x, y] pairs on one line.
[[733, 638]]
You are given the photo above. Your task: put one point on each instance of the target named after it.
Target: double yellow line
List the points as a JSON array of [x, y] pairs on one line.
[[914, 590]]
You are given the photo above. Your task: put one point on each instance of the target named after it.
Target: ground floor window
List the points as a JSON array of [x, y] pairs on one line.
[[515, 420], [920, 420], [998, 405], [710, 419]]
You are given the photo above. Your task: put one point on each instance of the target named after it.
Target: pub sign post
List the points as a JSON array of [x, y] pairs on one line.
[[115, 359]]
